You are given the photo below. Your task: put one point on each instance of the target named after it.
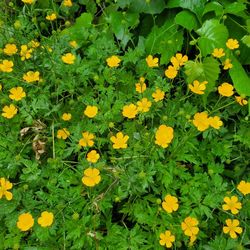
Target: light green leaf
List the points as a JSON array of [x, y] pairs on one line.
[[234, 8], [246, 40], [187, 20], [213, 6], [147, 6]]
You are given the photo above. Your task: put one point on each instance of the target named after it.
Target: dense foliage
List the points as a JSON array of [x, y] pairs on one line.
[[124, 124]]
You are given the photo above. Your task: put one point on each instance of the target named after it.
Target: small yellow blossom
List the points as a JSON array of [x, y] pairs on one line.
[[215, 122], [67, 3], [167, 239], [5, 185], [140, 87], [87, 139], [171, 72], [190, 226], [91, 177], [232, 227], [6, 66], [130, 111], [226, 89], [63, 134], [25, 222], [158, 95], [198, 87], [66, 116], [232, 44], [25, 52], [201, 121], [120, 140], [164, 135], [51, 17], [73, 44], [232, 204], [46, 219], [241, 100], [178, 60], [17, 93], [244, 187], [68, 58], [31, 76], [91, 111], [34, 44], [113, 61], [28, 1], [10, 49], [170, 203], [218, 53], [9, 111], [152, 61], [227, 64], [93, 156], [143, 105]]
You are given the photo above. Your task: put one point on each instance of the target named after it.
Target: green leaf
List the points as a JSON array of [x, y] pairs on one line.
[[246, 40], [147, 6], [212, 35], [213, 6], [234, 8], [187, 20], [240, 78]]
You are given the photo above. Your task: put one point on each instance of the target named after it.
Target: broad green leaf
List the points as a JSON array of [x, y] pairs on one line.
[[213, 6], [187, 20], [246, 40], [212, 35], [147, 6], [240, 78], [234, 8]]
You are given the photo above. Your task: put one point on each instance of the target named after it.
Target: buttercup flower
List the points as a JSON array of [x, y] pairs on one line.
[[143, 105], [120, 140], [17, 93], [9, 111], [34, 44], [10, 49], [87, 139], [190, 226], [63, 134], [227, 64], [158, 95], [152, 62], [244, 187], [68, 58], [6, 66], [31, 76], [226, 89], [232, 228], [232, 204], [113, 61], [140, 87], [178, 60], [46, 219], [241, 100], [67, 3], [232, 44], [28, 1], [66, 116], [73, 44], [91, 177], [167, 239], [25, 52], [198, 87], [51, 17], [129, 111], [5, 185], [215, 122], [218, 53], [25, 221], [171, 72], [201, 121], [93, 156], [91, 111], [164, 135], [170, 203]]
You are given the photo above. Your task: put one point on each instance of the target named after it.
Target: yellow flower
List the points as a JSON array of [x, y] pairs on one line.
[[140, 87], [10, 49], [25, 221], [9, 111], [129, 111], [167, 239], [5, 185], [227, 64], [215, 122], [244, 187], [66, 116], [87, 139], [170, 203], [34, 44], [113, 61], [190, 226], [91, 111], [178, 60], [144, 105], [68, 58], [46, 219], [28, 1], [152, 62], [51, 17], [158, 95], [31, 76], [63, 134], [93, 156], [17, 93], [171, 72], [201, 121], [120, 140], [232, 204], [164, 135], [1, 87], [226, 89], [241, 100], [6, 66], [232, 228], [192, 240], [67, 3], [91, 177], [198, 87], [232, 44], [218, 53], [73, 44], [25, 53]]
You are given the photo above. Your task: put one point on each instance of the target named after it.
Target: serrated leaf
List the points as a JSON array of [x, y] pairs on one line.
[[212, 35], [187, 20]]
